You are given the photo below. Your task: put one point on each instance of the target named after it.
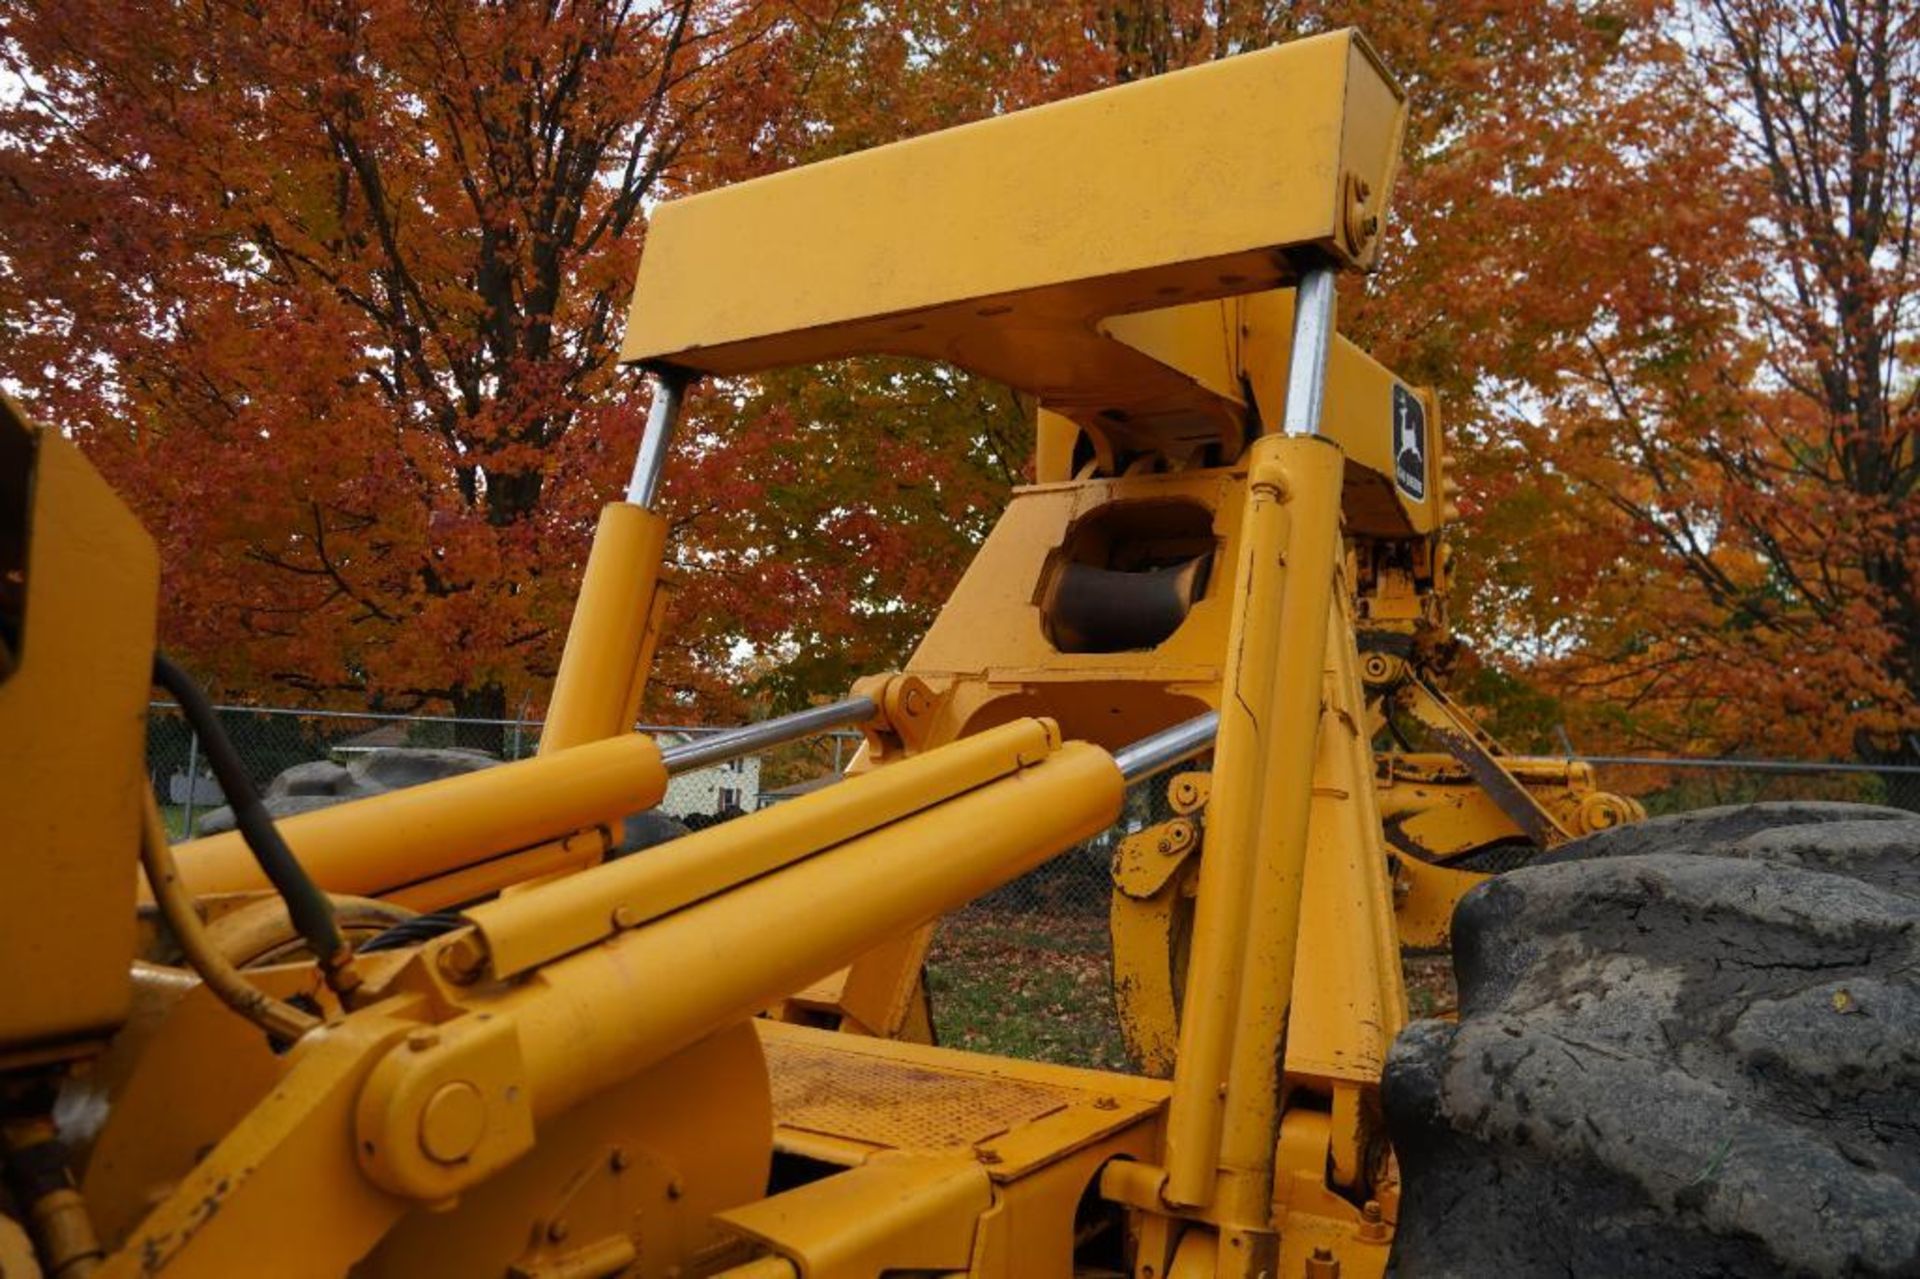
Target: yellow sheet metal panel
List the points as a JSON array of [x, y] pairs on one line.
[[781, 1040], [1152, 876], [1201, 339], [229, 1213], [924, 1105], [897, 1212], [992, 623], [1349, 999], [1235, 156], [881, 992], [1370, 413], [626, 1183], [1424, 898], [1389, 430], [76, 661], [1040, 1132], [1374, 127], [185, 1072], [999, 245]]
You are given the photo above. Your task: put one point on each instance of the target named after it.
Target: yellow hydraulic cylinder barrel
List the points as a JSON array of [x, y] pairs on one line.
[[1289, 708], [371, 846], [596, 692], [530, 929], [1268, 663], [596, 1017]]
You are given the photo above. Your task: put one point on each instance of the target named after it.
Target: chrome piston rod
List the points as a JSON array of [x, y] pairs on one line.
[[1137, 760], [748, 739], [1169, 746], [1313, 325], [669, 392]]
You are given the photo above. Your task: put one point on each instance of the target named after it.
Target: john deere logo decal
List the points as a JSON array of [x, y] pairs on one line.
[[1409, 443]]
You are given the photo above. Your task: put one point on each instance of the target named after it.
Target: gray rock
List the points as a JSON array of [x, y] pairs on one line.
[[395, 767], [323, 783], [218, 821], [318, 777]]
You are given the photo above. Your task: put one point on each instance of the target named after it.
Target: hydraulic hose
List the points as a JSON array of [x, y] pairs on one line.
[[276, 1017], [412, 932], [307, 907]]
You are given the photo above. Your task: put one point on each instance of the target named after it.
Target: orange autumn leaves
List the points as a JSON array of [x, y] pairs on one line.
[[333, 294]]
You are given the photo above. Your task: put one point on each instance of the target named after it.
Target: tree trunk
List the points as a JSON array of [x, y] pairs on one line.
[[482, 710]]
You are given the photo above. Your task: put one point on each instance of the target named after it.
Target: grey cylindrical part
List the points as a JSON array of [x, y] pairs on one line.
[[669, 386], [1168, 747], [748, 739], [1307, 365]]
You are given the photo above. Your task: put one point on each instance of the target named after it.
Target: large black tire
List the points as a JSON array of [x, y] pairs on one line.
[[1725, 831], [1670, 1063]]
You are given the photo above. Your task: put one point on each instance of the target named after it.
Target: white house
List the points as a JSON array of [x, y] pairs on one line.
[[707, 792]]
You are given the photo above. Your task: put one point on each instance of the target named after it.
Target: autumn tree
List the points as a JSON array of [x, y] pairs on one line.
[[1732, 504], [821, 517], [332, 292]]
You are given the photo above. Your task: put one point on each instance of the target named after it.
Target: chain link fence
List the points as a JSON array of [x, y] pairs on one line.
[[1025, 970], [1681, 785], [272, 740]]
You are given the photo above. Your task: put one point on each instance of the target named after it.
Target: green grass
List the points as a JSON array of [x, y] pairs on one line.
[[1038, 986], [1025, 985], [1430, 990], [176, 819]]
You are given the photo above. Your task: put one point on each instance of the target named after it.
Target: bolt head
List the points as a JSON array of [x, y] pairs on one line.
[[463, 959], [452, 1122]]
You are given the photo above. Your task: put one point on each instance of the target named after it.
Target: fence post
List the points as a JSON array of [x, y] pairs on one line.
[[193, 776]]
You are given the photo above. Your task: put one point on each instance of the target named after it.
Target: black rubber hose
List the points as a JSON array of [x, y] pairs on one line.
[[411, 932], [308, 907]]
